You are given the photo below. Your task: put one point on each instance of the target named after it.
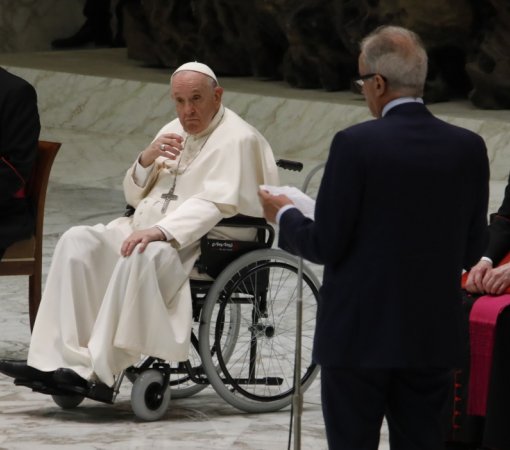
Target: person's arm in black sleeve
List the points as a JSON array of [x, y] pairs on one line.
[[499, 230], [19, 135]]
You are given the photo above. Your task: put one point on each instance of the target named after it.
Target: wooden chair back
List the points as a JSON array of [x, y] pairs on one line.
[[25, 257]]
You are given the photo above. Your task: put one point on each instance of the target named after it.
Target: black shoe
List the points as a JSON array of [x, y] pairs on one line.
[[20, 370], [69, 380], [43, 387], [87, 34]]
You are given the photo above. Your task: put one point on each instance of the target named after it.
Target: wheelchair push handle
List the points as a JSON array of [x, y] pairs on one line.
[[287, 164]]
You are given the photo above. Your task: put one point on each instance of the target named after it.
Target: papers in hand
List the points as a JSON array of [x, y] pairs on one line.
[[302, 201]]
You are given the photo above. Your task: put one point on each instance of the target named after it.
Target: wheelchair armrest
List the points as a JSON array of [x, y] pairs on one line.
[[287, 164], [240, 221], [129, 211]]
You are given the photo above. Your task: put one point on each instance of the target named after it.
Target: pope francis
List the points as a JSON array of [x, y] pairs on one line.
[[118, 291]]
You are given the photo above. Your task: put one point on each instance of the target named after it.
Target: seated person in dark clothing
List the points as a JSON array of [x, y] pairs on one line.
[[490, 276], [19, 134], [485, 277]]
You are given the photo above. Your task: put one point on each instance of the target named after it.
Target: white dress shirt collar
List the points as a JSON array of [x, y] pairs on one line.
[[400, 101]]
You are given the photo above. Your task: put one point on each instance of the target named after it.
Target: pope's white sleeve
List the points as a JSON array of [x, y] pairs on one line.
[[141, 174], [191, 220]]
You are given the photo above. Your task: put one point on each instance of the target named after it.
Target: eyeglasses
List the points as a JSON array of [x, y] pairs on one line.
[[358, 83]]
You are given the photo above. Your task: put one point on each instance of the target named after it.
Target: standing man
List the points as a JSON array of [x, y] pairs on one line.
[[19, 134], [400, 211], [120, 291], [488, 276]]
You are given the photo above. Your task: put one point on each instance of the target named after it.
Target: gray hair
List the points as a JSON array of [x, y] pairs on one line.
[[399, 55]]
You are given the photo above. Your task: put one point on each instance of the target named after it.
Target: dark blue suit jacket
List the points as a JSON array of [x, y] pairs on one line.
[[401, 210]]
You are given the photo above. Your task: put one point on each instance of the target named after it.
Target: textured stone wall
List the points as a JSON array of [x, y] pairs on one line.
[[314, 43]]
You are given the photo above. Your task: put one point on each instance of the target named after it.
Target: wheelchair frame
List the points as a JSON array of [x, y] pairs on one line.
[[243, 338], [244, 331]]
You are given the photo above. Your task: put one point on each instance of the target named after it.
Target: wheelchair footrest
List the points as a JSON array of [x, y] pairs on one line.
[[40, 387], [267, 381]]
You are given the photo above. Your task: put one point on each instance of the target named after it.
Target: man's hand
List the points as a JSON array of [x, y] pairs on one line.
[[272, 204], [142, 237], [167, 145], [496, 281], [474, 283]]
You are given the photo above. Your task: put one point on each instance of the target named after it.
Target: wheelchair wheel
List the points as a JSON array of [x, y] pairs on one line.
[[147, 400], [67, 401], [255, 372]]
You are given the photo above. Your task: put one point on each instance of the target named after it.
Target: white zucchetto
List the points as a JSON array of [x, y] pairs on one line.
[[196, 67]]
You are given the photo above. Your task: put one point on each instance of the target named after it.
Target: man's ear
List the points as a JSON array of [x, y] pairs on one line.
[[380, 86], [379, 82], [218, 93]]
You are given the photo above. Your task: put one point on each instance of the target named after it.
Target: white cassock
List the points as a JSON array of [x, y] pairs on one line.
[[100, 311]]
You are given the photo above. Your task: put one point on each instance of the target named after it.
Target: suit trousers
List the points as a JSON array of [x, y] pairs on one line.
[[414, 401]]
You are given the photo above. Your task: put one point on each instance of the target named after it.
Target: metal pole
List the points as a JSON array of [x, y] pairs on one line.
[[298, 395], [297, 400]]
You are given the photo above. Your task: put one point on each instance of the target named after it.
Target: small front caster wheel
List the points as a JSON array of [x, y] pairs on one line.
[[148, 400]]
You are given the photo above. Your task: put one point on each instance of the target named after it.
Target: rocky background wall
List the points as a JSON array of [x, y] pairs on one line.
[[310, 44], [30, 25], [313, 44]]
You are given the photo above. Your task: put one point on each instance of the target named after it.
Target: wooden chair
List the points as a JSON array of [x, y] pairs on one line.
[[25, 257]]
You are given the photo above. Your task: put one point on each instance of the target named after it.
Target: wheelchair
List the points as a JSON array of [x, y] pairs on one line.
[[244, 330]]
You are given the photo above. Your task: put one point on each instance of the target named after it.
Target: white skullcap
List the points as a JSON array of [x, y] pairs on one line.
[[196, 67]]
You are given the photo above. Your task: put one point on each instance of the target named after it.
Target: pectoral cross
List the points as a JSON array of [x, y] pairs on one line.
[[168, 197]]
